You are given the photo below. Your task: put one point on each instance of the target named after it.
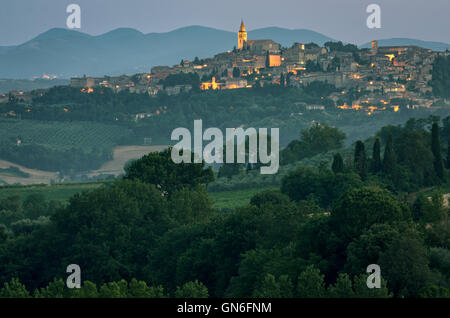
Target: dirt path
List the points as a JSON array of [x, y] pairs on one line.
[[36, 176]]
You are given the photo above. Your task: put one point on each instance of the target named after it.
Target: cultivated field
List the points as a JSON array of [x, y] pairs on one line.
[[35, 176], [122, 155], [62, 135]]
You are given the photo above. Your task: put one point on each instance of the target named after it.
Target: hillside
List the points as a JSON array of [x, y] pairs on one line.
[[69, 53], [435, 46]]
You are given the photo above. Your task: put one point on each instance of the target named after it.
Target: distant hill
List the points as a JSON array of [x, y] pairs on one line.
[[435, 46], [7, 85], [288, 37], [69, 53]]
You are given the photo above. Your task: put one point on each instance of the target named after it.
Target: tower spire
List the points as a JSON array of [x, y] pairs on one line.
[[242, 29], [242, 36]]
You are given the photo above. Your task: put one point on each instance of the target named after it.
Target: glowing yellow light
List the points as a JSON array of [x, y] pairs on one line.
[[390, 56]]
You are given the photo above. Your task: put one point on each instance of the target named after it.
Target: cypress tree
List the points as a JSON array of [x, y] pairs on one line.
[[448, 154], [376, 157], [436, 149], [338, 163], [360, 159], [267, 60], [389, 160], [282, 83]]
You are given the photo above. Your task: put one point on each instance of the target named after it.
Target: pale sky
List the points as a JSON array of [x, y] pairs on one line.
[[21, 20]]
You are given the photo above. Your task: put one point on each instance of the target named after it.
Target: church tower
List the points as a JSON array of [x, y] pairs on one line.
[[242, 36]]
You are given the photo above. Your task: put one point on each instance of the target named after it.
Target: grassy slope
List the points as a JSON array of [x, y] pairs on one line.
[[62, 192], [59, 192], [233, 199]]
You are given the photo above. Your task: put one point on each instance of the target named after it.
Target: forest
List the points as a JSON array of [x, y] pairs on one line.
[[155, 232]]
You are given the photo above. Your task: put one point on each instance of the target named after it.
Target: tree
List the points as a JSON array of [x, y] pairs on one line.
[[312, 66], [274, 197], [361, 290], [282, 80], [259, 269], [414, 156], [114, 290], [228, 170], [405, 265], [191, 205], [360, 159], [440, 76], [35, 205], [420, 207], [3, 233], [14, 289], [270, 287], [338, 163], [139, 289], [311, 284], [193, 289], [367, 248], [448, 155], [360, 208], [288, 79], [343, 288], [429, 210], [159, 169], [436, 149], [389, 160], [108, 229], [88, 290], [236, 72], [317, 139], [225, 73], [376, 157], [324, 185], [435, 292], [55, 289]]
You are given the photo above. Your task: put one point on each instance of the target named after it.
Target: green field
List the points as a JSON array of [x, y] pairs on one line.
[[236, 198], [62, 192]]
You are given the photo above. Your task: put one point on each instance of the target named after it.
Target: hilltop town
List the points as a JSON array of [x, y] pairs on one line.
[[373, 79]]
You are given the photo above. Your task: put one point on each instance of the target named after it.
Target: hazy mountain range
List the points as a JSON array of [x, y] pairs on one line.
[[435, 46], [67, 53]]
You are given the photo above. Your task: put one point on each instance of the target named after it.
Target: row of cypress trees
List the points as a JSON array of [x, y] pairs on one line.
[[387, 166]]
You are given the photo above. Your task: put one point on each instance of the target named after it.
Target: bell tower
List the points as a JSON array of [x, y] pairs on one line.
[[242, 36]]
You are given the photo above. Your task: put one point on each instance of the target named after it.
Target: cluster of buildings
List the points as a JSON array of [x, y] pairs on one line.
[[376, 76]]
